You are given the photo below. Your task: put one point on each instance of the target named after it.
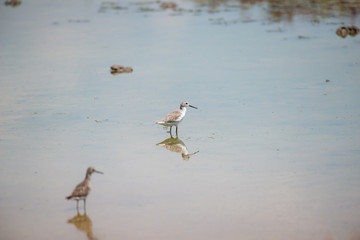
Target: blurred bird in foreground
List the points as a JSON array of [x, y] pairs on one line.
[[83, 189]]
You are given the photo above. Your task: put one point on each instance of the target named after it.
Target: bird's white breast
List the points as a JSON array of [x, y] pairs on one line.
[[182, 115]]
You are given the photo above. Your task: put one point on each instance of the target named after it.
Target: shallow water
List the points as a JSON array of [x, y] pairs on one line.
[[276, 136]]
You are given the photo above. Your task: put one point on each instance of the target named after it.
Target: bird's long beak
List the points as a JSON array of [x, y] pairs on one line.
[[99, 172], [193, 106]]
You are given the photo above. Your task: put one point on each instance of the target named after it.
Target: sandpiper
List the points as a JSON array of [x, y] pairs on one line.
[[83, 189], [175, 117]]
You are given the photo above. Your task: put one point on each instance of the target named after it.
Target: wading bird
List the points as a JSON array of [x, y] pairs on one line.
[[82, 190], [175, 117]]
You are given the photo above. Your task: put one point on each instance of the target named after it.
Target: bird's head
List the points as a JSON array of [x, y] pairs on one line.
[[186, 104], [91, 170]]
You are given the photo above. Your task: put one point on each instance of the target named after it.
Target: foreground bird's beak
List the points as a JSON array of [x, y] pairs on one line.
[[193, 106], [99, 172]]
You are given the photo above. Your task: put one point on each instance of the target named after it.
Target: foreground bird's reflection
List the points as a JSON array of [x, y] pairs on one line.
[[178, 146], [84, 224]]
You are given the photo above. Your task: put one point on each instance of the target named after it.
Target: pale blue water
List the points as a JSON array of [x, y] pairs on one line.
[[278, 144]]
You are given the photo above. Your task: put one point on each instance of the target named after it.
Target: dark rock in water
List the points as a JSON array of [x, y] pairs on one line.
[[166, 5], [120, 69], [353, 30], [344, 31], [13, 3]]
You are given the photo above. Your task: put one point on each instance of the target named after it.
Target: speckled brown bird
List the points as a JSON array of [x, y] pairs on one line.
[[83, 189]]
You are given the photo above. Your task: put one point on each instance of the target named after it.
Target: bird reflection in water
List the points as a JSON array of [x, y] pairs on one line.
[[178, 146], [84, 224]]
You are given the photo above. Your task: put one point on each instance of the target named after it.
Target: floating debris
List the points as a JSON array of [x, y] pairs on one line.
[[78, 20], [303, 37], [275, 30], [275, 10], [109, 5], [101, 121], [168, 5], [120, 69], [12, 3], [344, 31]]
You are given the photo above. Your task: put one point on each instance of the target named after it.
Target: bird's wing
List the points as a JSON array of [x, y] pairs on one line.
[[173, 116], [82, 189]]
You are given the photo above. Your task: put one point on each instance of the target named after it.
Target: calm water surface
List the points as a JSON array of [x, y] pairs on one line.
[[276, 136]]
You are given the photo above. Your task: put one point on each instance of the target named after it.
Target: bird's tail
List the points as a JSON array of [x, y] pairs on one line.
[[68, 197]]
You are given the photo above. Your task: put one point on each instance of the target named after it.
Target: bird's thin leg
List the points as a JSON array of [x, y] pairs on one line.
[[176, 131], [84, 205], [171, 134], [77, 205], [170, 130]]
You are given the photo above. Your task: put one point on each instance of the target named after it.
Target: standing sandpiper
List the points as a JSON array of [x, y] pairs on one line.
[[83, 189], [175, 117]]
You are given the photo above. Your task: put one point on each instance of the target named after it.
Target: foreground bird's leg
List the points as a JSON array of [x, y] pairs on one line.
[[77, 206], [84, 205], [176, 131]]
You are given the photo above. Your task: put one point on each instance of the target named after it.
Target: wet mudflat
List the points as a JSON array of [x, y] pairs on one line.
[[272, 152]]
